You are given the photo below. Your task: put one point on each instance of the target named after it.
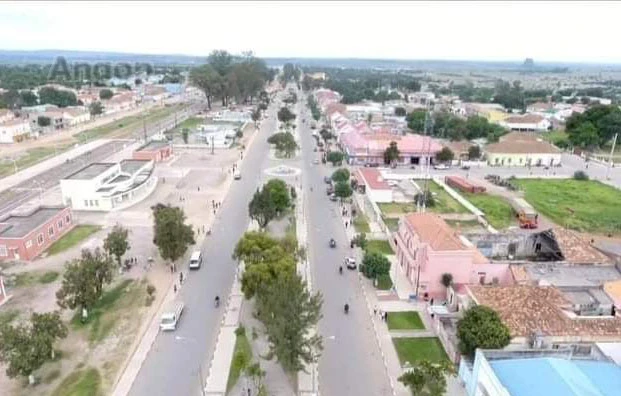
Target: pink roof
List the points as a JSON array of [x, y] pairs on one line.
[[373, 179], [376, 144]]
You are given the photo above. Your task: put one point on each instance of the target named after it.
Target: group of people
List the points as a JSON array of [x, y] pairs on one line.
[[383, 315]]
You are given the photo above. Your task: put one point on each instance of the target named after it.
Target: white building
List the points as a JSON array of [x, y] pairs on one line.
[[14, 130], [232, 116], [107, 186], [6, 115], [522, 149], [375, 187], [527, 123], [120, 102], [73, 116], [220, 136]]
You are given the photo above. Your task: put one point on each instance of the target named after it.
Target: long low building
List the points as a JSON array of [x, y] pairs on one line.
[[106, 186], [154, 150], [522, 149], [25, 236]]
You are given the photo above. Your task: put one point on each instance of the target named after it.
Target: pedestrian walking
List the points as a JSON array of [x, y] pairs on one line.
[[346, 223], [375, 310], [385, 316], [175, 287], [172, 269], [181, 277], [199, 188]]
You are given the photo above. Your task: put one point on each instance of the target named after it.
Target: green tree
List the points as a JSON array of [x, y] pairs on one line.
[[585, 135], [400, 112], [481, 327], [375, 265], [105, 94], [60, 98], [343, 189], [289, 311], [284, 143], [257, 247], [426, 378], [171, 235], [445, 155], [416, 120], [28, 98], [256, 375], [335, 157], [116, 243], [256, 116], [221, 61], [95, 108], [279, 194], [261, 208], [207, 79], [185, 135], [474, 152], [325, 134], [43, 121], [341, 175], [391, 154], [83, 280], [24, 348], [446, 279], [285, 115]]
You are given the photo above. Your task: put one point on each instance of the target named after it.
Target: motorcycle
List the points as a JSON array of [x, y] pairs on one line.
[[346, 309], [217, 302], [341, 270]]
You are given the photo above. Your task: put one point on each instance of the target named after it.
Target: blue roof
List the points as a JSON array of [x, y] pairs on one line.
[[558, 377]]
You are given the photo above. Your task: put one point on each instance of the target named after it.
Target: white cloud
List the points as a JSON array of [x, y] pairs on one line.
[[564, 31]]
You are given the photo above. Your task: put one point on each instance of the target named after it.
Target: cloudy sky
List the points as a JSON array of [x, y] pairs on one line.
[[545, 31]]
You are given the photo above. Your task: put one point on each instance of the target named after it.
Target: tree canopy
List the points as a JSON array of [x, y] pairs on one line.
[[105, 94], [595, 127], [171, 235], [341, 175], [426, 378], [391, 154], [58, 97], [481, 327], [374, 265], [342, 189], [83, 280], [285, 115], [445, 155], [116, 243], [284, 142], [335, 157]]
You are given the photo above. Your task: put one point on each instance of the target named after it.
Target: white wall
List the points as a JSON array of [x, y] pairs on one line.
[[481, 380], [379, 195]]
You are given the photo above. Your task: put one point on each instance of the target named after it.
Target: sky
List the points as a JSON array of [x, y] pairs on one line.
[[545, 31]]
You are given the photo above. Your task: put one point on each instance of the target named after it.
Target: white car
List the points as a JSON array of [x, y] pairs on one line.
[[350, 263], [196, 260], [315, 161], [237, 175], [440, 167], [171, 315]]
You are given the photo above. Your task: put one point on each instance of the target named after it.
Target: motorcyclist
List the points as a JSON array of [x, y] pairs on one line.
[[217, 301], [346, 308], [341, 269]]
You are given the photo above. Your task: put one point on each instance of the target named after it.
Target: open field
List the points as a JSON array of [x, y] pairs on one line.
[[378, 246], [80, 383], [596, 207], [498, 211], [361, 224], [444, 203], [415, 349], [32, 157]]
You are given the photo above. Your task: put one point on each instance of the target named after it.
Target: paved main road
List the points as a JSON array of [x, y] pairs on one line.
[[351, 362], [177, 362]]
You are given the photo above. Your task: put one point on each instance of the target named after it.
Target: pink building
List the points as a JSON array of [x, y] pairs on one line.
[[154, 150], [25, 236], [427, 247], [364, 147]]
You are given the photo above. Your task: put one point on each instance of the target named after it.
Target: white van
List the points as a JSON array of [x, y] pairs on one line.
[[171, 315], [196, 260]]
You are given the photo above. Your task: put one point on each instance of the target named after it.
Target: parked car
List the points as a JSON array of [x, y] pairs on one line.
[[327, 179], [465, 167], [171, 315], [315, 161], [441, 167], [329, 190], [333, 197]]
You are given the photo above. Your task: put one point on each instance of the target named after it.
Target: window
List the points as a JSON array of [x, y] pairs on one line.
[[28, 244], [50, 230], [3, 252], [85, 202], [96, 203], [91, 203], [40, 239], [60, 224], [67, 219]]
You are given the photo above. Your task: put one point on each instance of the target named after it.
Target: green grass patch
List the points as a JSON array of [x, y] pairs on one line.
[[384, 282], [397, 207], [444, 203], [555, 136], [80, 383], [379, 246], [78, 234], [243, 348], [26, 279], [498, 211], [8, 316], [595, 205], [31, 157], [409, 320], [392, 223], [361, 224], [416, 349], [116, 302]]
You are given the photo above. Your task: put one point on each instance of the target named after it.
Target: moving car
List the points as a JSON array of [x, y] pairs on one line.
[[440, 167], [171, 315], [316, 161], [237, 175], [196, 260], [350, 263], [332, 243]]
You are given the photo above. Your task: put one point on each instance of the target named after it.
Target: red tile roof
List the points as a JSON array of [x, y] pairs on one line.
[[373, 179]]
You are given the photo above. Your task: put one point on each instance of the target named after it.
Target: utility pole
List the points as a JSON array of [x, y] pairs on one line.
[[612, 150], [144, 128], [212, 142]]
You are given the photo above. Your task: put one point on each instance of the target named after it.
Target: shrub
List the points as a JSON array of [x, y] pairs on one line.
[[150, 290], [580, 175]]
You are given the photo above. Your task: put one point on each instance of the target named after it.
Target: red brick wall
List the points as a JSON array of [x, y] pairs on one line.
[[157, 156], [35, 249]]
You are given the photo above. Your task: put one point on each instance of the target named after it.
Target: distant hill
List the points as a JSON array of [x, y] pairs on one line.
[[48, 56]]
